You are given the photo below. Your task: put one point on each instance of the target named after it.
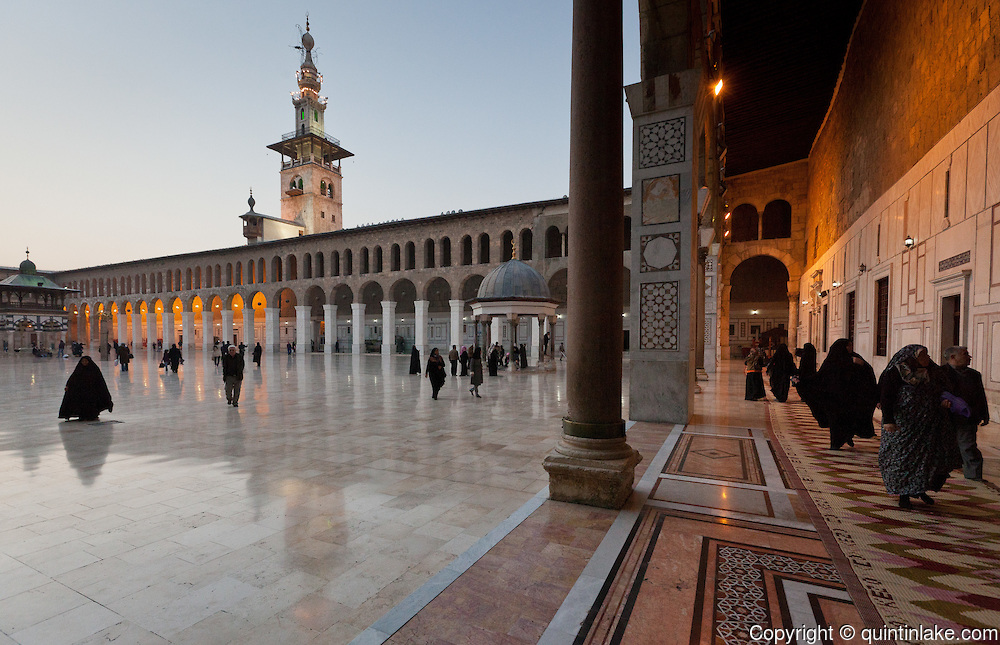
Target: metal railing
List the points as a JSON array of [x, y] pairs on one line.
[[301, 132]]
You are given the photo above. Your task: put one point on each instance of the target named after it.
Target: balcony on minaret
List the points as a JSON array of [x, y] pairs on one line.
[[310, 144]]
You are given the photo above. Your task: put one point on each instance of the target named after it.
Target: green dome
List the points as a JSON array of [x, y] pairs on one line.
[[27, 268]]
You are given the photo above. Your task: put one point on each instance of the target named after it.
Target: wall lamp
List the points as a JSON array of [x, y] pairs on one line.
[[908, 242], [862, 268], [835, 285], [824, 294]]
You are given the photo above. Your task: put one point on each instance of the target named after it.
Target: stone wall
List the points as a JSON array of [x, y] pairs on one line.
[[913, 70]]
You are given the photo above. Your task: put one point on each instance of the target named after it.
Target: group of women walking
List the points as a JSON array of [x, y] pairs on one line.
[[436, 372], [918, 447]]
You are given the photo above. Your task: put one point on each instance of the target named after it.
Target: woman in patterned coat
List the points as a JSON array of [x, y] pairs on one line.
[[918, 448]]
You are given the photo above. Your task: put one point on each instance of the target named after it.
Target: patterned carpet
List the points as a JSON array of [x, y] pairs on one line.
[[934, 565]]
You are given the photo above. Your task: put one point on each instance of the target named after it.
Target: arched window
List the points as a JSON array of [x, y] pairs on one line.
[[466, 250], [307, 266], [445, 252], [628, 233], [776, 221], [218, 275], [506, 246], [251, 275], [527, 239], [429, 254], [553, 242], [329, 191], [197, 277], [484, 248], [276, 269], [335, 263], [238, 273], [261, 271], [300, 183], [411, 256], [177, 279], [190, 283], [322, 187], [745, 223], [378, 260], [320, 266], [293, 267], [348, 262], [364, 260], [394, 258]]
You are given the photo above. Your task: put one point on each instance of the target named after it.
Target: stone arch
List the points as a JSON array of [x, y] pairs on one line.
[[293, 267], [365, 261], [275, 269], [197, 278], [466, 250], [429, 253], [320, 265], [506, 246], [438, 292], [315, 298], [377, 260], [261, 271], [558, 286], [342, 297], [334, 264], [251, 272], [372, 296], [732, 260], [286, 299], [307, 266], [776, 221], [394, 258], [404, 293], [238, 274], [348, 262], [410, 253], [470, 289], [527, 241], [229, 274], [445, 251], [553, 242], [484, 248], [745, 223]]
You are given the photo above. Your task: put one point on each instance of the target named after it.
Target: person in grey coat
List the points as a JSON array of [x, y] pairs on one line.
[[232, 375], [967, 384]]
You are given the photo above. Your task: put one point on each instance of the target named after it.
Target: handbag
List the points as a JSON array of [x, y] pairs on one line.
[[958, 404]]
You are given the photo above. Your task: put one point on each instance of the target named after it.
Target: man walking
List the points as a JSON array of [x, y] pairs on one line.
[[232, 375], [967, 384], [453, 357]]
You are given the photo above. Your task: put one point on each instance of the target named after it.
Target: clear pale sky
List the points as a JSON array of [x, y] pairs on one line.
[[132, 130]]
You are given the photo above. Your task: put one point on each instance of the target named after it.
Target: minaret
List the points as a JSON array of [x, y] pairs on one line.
[[310, 158]]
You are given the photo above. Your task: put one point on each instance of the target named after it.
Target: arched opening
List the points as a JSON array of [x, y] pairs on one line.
[[257, 305], [758, 304], [377, 261], [470, 289], [218, 275], [776, 222], [394, 258], [276, 269], [238, 277], [411, 256], [446, 252], [335, 263], [348, 262], [745, 223], [466, 250], [251, 274], [506, 246], [484, 248], [343, 298], [364, 260], [197, 277], [553, 242], [286, 317], [188, 284], [558, 287], [429, 253], [404, 294], [307, 266], [315, 299], [320, 266], [527, 239], [293, 269], [229, 274], [438, 293]]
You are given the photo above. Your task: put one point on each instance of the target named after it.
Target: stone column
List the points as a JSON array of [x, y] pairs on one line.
[[592, 464], [187, 328], [357, 328], [456, 322], [122, 326], [271, 337], [723, 304], [81, 327], [330, 324], [169, 335], [793, 320], [151, 333], [248, 331], [136, 328], [420, 308], [536, 341], [227, 326], [207, 331], [389, 327], [302, 328]]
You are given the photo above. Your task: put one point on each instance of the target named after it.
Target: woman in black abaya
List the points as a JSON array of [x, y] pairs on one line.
[[86, 394], [781, 368], [845, 390], [435, 371], [415, 361]]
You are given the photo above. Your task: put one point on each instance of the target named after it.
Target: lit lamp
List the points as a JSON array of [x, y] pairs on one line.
[[908, 242], [718, 87]]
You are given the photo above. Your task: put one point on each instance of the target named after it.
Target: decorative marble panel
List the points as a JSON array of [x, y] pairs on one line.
[[660, 252], [658, 315], [661, 143], [661, 200]]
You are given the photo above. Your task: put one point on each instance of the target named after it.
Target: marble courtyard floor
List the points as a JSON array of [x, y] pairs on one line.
[[340, 503]]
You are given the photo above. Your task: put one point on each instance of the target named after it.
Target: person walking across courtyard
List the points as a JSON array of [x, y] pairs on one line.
[[415, 361], [463, 360], [435, 371], [175, 358], [86, 393], [453, 359], [124, 356], [477, 371], [755, 380], [232, 375], [257, 351], [216, 353], [967, 384]]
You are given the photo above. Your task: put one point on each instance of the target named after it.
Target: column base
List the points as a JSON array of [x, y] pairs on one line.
[[594, 472], [700, 374]]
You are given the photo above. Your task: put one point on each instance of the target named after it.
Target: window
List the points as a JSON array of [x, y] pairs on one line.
[[746, 222], [732, 330], [852, 303], [526, 241], [882, 317], [826, 326], [553, 243], [322, 187], [777, 220], [484, 249]]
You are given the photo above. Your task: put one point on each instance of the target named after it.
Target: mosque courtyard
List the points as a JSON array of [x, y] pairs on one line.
[[341, 503]]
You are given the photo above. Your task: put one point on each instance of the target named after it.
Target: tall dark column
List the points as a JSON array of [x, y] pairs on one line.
[[592, 463]]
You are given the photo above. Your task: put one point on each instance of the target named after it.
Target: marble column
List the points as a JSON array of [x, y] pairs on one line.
[[420, 308], [187, 328], [330, 324], [456, 322], [357, 328], [592, 464], [302, 339], [249, 335], [167, 318], [536, 340], [227, 326], [207, 331], [81, 327], [271, 337], [388, 327], [136, 329], [151, 334], [122, 326]]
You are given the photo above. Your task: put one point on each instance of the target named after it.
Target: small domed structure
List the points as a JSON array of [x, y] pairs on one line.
[[513, 280], [27, 268]]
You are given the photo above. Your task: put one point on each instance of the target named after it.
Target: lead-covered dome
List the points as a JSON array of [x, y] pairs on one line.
[[514, 280]]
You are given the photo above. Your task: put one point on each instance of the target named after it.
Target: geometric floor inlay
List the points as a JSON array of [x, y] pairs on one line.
[[717, 457]]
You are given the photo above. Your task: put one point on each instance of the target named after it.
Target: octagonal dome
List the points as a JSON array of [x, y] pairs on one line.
[[514, 280]]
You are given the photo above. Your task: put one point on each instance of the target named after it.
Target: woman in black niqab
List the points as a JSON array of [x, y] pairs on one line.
[[87, 393], [781, 368], [415, 361], [845, 391]]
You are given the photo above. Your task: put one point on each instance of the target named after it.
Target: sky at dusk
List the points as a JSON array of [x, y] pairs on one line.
[[133, 130]]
